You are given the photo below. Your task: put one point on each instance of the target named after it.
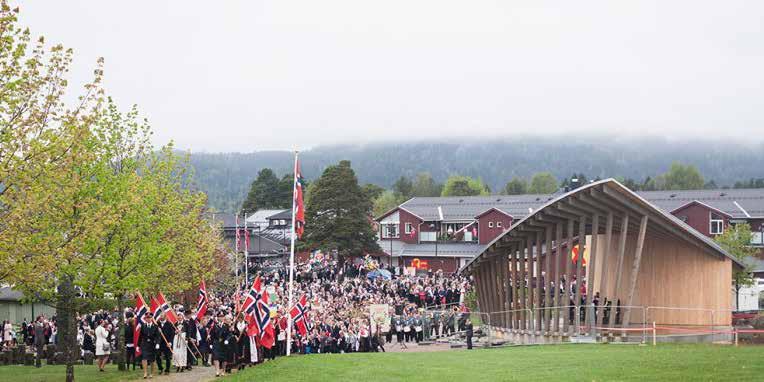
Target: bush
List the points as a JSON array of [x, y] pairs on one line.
[[758, 323]]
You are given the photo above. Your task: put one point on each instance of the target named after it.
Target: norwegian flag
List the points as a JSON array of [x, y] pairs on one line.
[[155, 311], [258, 313], [253, 295], [299, 212], [164, 307], [299, 315], [141, 310], [201, 303]]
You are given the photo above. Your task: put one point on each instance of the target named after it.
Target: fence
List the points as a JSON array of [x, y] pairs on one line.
[[635, 324]]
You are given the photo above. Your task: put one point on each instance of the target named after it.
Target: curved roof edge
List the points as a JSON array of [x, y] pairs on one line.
[[710, 244]]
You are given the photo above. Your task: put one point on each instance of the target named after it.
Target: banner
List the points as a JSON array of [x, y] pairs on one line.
[[380, 316]]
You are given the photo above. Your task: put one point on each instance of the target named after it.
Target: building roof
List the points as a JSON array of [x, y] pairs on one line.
[[628, 197], [465, 208], [737, 203], [260, 217], [286, 214], [8, 294]]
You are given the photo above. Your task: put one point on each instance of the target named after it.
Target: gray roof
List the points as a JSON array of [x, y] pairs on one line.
[[467, 207], [286, 214], [738, 203], [8, 294], [735, 202]]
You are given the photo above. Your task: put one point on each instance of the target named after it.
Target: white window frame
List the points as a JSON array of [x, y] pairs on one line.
[[490, 224], [719, 222], [408, 227], [498, 224], [386, 231]]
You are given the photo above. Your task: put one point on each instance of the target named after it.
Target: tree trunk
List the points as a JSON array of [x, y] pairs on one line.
[[67, 326], [120, 356]]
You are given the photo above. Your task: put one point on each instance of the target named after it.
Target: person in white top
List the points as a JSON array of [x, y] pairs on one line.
[[180, 348], [7, 333], [102, 345]]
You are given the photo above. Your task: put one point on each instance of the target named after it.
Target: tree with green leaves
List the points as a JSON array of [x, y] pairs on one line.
[[385, 202], [543, 183], [264, 192], [680, 177], [425, 185], [87, 205], [736, 240], [458, 185], [372, 191], [338, 214], [516, 186], [403, 187]]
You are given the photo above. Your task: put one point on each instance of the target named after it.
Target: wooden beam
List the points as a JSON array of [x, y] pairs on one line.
[[539, 284], [513, 283], [568, 276], [604, 268], [619, 263], [591, 265], [557, 257], [522, 285], [507, 290], [547, 278], [531, 262], [635, 271], [579, 275]]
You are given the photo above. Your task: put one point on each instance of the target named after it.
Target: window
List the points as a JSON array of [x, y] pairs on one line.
[[490, 224], [408, 228], [683, 218], [498, 224], [717, 224], [389, 231]]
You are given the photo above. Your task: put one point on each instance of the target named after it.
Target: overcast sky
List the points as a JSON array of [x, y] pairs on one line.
[[282, 74]]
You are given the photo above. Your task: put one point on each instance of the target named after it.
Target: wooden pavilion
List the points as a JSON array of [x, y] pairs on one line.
[[643, 265]]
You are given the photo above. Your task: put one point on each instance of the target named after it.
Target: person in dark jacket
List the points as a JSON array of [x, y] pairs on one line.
[[129, 345], [165, 345], [219, 336], [150, 339], [191, 331], [468, 330], [204, 343]]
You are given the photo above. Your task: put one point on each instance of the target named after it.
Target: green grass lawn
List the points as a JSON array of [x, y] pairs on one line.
[[58, 373], [548, 363]]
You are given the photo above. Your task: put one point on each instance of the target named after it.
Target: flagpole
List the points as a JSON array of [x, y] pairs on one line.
[[246, 252], [236, 253], [291, 256]]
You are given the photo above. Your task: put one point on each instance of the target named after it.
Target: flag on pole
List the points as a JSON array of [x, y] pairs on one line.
[[141, 310], [201, 302], [299, 213], [258, 313], [155, 311], [164, 307], [298, 314]]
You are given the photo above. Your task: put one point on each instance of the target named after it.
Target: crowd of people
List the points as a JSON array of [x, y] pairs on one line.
[[338, 319]]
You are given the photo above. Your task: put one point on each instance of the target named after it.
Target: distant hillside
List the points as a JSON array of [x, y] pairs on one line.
[[226, 176]]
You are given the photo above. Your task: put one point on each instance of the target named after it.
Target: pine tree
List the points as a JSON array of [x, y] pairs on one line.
[[263, 193], [338, 214]]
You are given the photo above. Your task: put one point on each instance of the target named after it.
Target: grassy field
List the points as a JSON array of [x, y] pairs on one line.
[[548, 363], [58, 373]]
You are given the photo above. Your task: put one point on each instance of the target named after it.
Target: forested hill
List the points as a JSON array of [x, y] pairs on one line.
[[226, 176]]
